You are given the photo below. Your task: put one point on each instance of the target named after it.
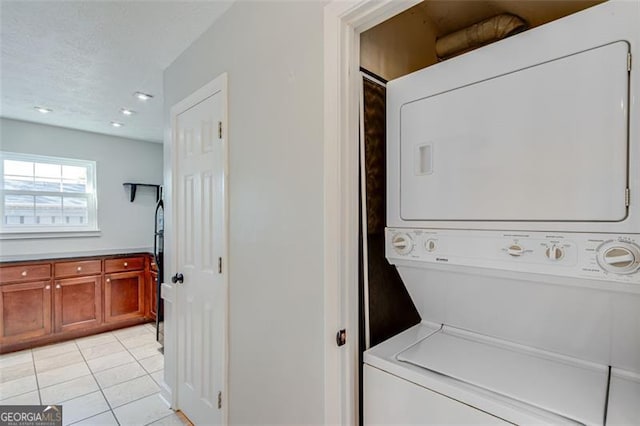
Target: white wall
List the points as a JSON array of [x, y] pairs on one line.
[[272, 52], [124, 226]]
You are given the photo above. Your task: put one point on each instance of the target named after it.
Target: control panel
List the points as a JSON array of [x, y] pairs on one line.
[[610, 257]]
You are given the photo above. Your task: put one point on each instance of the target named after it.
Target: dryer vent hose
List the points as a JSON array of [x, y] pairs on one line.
[[487, 31]]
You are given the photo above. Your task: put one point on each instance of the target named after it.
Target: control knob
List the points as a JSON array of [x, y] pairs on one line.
[[554, 253], [402, 243], [619, 257], [515, 250], [430, 245]]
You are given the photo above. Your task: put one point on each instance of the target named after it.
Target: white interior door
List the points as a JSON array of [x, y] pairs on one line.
[[200, 242]]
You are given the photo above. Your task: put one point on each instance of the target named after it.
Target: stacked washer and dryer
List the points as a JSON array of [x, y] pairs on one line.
[[513, 218]]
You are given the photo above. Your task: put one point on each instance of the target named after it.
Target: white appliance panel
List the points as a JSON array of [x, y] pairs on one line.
[[567, 320], [624, 399], [558, 384], [605, 257], [387, 397], [544, 143], [390, 400]]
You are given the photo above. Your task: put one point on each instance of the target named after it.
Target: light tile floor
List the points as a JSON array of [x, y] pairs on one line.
[[111, 378]]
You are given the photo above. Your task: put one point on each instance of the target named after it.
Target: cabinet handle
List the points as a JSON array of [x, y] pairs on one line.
[[126, 264], [108, 280], [24, 273], [47, 287], [79, 268], [58, 286]]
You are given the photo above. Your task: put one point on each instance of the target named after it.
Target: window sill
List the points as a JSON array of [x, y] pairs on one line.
[[48, 234]]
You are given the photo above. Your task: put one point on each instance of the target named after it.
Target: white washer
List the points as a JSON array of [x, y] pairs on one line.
[[498, 344]]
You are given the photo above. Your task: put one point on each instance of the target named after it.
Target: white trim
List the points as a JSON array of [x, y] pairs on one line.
[[37, 234], [219, 84], [343, 22], [372, 78]]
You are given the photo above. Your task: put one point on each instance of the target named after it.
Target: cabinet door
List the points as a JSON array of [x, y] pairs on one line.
[[77, 303], [25, 311], [123, 296]]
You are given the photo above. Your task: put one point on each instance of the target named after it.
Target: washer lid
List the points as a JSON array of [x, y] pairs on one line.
[[561, 385]]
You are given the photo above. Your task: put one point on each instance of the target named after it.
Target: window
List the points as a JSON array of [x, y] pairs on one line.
[[47, 194]]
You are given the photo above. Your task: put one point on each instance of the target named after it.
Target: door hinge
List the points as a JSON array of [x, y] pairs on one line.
[[341, 337], [629, 61], [627, 197], [219, 129], [219, 265], [219, 400]]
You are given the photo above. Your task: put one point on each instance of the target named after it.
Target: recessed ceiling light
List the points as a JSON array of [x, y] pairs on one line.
[[43, 109], [142, 96], [116, 124], [127, 111]]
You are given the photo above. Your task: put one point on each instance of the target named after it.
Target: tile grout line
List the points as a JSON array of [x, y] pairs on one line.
[[64, 381], [35, 374], [148, 374], [111, 409], [93, 375], [175, 413], [99, 388], [138, 360], [94, 415]]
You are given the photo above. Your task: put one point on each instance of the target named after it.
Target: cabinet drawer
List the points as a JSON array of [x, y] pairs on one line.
[[22, 273], [77, 268], [124, 264]]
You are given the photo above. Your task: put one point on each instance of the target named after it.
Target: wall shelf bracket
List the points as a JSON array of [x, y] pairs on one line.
[[133, 187]]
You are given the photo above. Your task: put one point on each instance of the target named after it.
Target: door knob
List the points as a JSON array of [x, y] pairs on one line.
[[177, 278]]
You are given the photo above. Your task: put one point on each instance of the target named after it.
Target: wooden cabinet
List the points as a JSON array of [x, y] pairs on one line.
[[47, 301], [77, 303], [23, 273], [77, 268], [25, 311], [25, 302], [133, 263], [124, 296]]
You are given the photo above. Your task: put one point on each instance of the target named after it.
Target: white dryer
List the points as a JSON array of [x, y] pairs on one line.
[[514, 224]]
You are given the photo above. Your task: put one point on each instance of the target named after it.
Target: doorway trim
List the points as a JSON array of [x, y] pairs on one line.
[[218, 84], [343, 23]]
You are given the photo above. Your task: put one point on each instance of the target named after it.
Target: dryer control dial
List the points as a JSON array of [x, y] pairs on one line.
[[554, 253], [402, 243], [619, 257]]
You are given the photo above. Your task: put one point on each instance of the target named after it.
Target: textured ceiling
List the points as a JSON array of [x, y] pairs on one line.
[[85, 59]]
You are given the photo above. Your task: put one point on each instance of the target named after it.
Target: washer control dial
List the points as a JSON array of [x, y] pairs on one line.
[[554, 252], [515, 250], [402, 243], [619, 257], [430, 245]]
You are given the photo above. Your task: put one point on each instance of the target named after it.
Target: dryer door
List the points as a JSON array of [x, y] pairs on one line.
[[544, 143]]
